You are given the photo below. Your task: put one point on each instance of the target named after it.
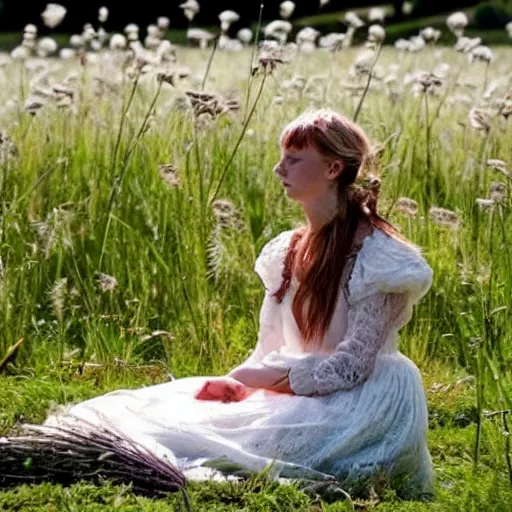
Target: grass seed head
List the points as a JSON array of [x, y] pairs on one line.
[[479, 119], [444, 217], [169, 174], [486, 205], [105, 282], [498, 192], [407, 206]]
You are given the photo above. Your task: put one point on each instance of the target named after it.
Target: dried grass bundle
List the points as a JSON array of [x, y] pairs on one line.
[[66, 455]]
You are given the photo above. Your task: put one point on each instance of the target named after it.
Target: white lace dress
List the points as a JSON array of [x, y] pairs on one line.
[[359, 404]]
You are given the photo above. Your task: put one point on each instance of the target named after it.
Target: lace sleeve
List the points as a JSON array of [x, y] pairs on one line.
[[369, 323]]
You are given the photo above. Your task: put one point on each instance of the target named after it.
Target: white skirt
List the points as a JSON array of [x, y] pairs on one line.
[[379, 425]]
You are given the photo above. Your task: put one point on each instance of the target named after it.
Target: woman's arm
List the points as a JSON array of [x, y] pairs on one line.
[[270, 338], [270, 333], [370, 321], [261, 377]]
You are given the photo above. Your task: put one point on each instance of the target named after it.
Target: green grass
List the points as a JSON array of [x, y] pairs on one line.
[[83, 196], [26, 398]]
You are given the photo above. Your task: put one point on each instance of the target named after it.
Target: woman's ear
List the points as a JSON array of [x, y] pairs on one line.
[[335, 169]]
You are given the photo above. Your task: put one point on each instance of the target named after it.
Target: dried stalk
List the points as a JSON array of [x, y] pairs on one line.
[[85, 452]]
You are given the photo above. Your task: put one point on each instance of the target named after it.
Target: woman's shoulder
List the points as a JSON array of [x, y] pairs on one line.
[[270, 261], [388, 264]]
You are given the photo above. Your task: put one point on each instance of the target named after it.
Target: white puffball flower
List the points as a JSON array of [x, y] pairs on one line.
[[227, 18], [286, 9], [76, 41], [466, 44], [131, 28], [430, 34], [402, 45], [363, 61], [153, 31], [151, 43], [417, 43], [407, 8], [307, 47], [163, 22], [46, 46], [278, 29], [53, 15], [30, 29], [377, 14], [20, 53], [29, 36], [245, 35], [96, 45], [29, 42], [118, 42], [166, 52], [376, 33], [231, 45], [481, 53], [457, 22], [103, 14], [508, 28], [190, 9], [88, 34], [307, 34], [323, 3], [102, 35], [352, 19], [331, 40], [201, 36], [67, 53]]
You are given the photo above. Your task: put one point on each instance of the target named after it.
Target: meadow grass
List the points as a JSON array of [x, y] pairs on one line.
[[114, 275]]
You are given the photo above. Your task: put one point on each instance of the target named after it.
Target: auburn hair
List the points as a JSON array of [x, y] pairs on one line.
[[318, 258]]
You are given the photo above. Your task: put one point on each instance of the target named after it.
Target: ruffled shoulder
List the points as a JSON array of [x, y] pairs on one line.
[[386, 264], [270, 262]]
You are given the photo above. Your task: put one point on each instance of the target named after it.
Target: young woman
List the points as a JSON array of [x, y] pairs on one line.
[[326, 390]]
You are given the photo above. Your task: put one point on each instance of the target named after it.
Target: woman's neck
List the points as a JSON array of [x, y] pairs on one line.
[[322, 211]]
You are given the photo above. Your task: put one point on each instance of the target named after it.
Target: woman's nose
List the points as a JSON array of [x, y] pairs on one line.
[[278, 169]]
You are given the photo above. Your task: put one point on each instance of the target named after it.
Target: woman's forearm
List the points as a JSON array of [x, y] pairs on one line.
[[259, 376]]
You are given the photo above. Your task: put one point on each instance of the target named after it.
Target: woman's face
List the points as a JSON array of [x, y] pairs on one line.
[[306, 174]]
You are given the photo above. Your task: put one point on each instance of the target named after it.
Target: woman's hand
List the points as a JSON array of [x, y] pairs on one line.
[[225, 389]]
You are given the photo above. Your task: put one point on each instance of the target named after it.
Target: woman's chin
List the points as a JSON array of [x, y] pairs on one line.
[[290, 193]]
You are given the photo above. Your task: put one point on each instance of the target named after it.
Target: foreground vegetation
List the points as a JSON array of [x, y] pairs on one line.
[[452, 418]]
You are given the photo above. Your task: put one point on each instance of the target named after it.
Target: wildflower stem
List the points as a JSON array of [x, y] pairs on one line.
[[427, 132], [118, 180], [209, 65], [506, 431], [367, 87], [479, 404], [123, 117], [143, 126], [242, 133], [486, 74], [251, 64]]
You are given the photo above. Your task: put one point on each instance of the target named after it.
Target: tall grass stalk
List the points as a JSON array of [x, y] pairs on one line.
[[240, 137], [368, 82]]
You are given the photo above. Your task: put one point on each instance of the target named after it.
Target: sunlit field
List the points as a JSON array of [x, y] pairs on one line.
[[137, 190]]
